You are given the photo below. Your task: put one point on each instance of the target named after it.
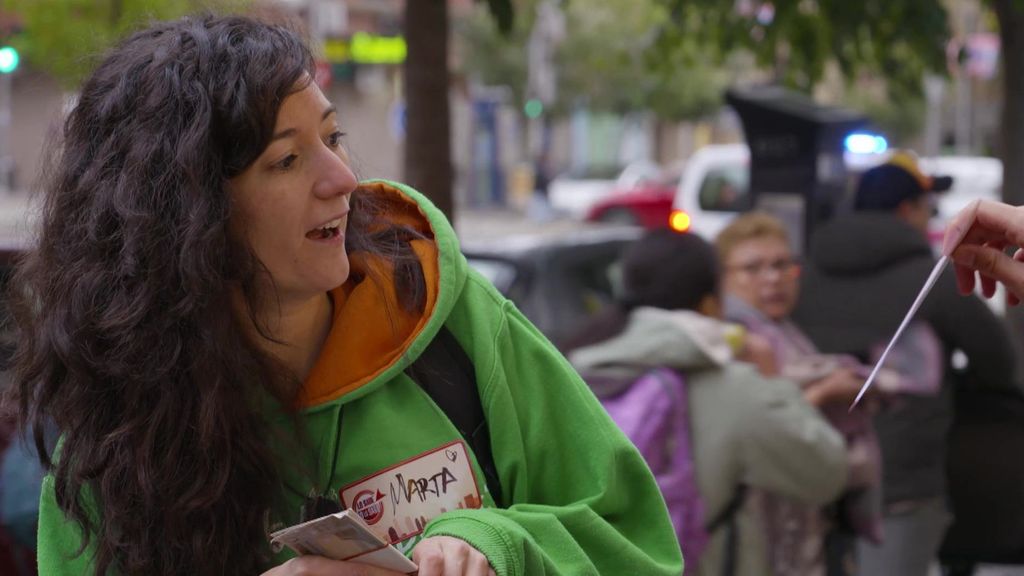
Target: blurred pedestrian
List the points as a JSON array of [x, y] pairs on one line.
[[17, 532], [864, 271], [761, 281], [213, 291], [744, 428], [539, 206]]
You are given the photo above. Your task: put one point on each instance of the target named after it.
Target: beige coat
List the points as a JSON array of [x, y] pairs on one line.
[[744, 428]]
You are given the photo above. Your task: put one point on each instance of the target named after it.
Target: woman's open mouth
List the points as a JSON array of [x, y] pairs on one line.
[[328, 231]]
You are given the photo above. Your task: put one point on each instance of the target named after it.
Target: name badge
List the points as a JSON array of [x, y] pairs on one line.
[[398, 502]]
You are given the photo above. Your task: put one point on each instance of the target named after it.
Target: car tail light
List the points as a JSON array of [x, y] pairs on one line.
[[679, 221]]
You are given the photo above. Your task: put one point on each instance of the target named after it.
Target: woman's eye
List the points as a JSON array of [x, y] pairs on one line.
[[285, 163], [334, 140]]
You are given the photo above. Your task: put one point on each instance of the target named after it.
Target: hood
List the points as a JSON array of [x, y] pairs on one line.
[[865, 242], [372, 339], [656, 338]]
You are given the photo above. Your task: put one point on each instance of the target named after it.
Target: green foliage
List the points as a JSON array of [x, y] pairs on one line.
[[493, 57], [898, 40], [65, 38], [899, 118], [503, 13], [604, 62], [600, 62]]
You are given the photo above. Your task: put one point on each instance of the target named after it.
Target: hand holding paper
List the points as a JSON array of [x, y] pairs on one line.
[[976, 240], [340, 544], [320, 566], [345, 539]]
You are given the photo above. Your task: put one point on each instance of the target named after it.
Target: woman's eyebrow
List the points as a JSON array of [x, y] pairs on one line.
[[291, 131]]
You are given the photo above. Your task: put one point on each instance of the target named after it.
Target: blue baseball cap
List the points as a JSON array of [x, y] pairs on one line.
[[886, 186]]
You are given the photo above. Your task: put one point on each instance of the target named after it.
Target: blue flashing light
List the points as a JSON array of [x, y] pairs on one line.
[[864, 143]]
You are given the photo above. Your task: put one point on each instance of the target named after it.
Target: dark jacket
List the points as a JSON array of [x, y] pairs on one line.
[[863, 273]]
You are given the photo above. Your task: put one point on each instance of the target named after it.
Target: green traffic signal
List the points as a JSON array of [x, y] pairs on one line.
[[533, 108], [8, 60]]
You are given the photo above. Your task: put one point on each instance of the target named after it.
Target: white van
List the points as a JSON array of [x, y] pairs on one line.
[[974, 177], [715, 187]]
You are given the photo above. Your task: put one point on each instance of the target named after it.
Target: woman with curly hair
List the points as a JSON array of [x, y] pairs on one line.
[[220, 320]]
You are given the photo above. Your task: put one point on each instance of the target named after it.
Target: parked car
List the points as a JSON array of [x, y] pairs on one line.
[[648, 203], [575, 193], [558, 280]]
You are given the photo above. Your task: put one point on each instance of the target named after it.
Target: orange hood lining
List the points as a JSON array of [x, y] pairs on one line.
[[370, 330]]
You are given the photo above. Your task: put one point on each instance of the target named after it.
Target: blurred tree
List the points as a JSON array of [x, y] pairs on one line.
[[604, 61], [493, 58], [1011, 32], [65, 38], [797, 38], [428, 151], [899, 41]]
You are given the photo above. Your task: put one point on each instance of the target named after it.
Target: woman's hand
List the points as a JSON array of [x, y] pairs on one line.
[[975, 241], [758, 351], [841, 386], [447, 556], [435, 556], [320, 566]]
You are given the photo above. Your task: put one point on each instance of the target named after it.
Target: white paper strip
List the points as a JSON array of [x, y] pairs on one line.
[[936, 272]]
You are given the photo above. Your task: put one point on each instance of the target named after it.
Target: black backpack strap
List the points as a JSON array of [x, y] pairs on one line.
[[446, 373], [728, 517]]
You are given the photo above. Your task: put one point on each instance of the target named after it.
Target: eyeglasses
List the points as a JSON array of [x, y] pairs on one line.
[[782, 267]]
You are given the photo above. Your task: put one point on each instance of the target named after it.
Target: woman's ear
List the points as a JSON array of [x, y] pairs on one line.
[[711, 306]]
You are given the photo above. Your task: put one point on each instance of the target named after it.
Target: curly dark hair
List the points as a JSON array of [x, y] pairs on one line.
[[128, 339]]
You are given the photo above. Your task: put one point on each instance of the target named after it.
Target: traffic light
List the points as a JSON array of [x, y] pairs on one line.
[[533, 108], [8, 60]]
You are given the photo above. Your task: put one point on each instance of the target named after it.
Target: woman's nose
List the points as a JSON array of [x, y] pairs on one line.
[[334, 177]]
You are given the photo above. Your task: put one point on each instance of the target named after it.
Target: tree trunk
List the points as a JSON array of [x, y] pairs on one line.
[[661, 127], [428, 156], [1011, 32], [1011, 25]]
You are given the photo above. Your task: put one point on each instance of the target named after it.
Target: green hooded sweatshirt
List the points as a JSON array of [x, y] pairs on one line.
[[579, 498]]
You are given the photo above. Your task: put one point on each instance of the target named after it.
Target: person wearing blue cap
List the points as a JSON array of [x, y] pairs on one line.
[[863, 271], [899, 187]]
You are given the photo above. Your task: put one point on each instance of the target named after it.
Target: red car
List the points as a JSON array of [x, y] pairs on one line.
[[648, 204]]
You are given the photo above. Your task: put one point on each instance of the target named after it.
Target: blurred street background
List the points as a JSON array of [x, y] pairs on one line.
[[554, 132], [578, 90]]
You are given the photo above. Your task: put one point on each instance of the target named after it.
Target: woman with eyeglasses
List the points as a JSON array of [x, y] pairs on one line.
[[761, 283], [742, 430]]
